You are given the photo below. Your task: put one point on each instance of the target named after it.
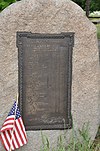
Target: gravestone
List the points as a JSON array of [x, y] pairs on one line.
[[52, 17]]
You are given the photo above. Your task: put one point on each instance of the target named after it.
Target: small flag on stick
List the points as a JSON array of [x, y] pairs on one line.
[[13, 133]]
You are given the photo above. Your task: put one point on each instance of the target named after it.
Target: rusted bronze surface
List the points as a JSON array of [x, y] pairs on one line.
[[45, 75]]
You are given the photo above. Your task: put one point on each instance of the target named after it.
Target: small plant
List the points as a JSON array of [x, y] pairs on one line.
[[79, 141], [45, 143], [60, 144]]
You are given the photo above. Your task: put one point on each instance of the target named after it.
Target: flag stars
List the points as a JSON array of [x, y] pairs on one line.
[[15, 110]]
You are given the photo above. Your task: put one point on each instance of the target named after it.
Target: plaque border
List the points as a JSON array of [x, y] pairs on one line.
[[19, 44]]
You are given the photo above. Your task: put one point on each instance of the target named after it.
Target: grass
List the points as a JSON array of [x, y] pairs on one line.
[[79, 141], [98, 30]]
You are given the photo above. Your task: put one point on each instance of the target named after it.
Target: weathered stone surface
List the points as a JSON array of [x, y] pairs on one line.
[[51, 16]]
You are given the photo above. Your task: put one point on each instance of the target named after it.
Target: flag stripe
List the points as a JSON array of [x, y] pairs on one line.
[[7, 142], [7, 128], [8, 138], [23, 129], [15, 141], [18, 130], [13, 144], [9, 121], [1, 137], [18, 138], [4, 141], [9, 124], [10, 117], [11, 140]]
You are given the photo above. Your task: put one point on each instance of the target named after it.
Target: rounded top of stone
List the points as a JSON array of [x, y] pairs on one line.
[[26, 8], [29, 5]]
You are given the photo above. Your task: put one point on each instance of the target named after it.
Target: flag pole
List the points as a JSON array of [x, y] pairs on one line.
[[14, 123]]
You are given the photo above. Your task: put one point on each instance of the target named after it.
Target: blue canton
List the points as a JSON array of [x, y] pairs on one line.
[[12, 111]]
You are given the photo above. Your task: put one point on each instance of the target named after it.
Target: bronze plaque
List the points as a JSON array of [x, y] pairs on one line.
[[45, 75]]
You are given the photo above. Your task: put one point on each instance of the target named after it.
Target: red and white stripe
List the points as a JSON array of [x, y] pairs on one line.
[[13, 133], [8, 124]]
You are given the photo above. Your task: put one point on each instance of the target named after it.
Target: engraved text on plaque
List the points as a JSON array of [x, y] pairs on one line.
[[45, 74]]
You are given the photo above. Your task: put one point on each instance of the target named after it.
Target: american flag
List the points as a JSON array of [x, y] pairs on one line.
[[13, 133]]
